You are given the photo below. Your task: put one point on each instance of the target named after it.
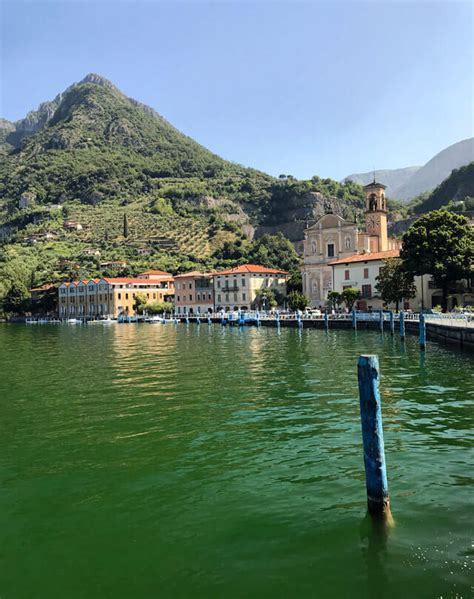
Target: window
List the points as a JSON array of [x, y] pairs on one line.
[[243, 282], [154, 296], [218, 297], [235, 297], [366, 273], [190, 297], [243, 297], [226, 297], [346, 275], [126, 296], [190, 285], [330, 250], [367, 291], [119, 295], [178, 298]]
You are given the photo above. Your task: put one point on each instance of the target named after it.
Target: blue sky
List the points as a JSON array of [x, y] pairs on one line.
[[301, 88]]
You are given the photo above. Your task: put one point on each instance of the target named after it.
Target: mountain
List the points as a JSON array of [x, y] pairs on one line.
[[407, 183], [438, 169], [92, 156], [458, 187], [392, 178]]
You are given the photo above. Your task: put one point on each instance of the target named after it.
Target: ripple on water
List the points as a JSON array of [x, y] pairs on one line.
[[227, 461]]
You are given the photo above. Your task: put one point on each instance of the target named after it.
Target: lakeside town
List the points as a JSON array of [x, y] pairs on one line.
[[340, 270]]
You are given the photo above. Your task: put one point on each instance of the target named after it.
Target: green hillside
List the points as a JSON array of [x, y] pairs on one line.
[[457, 188], [94, 156]]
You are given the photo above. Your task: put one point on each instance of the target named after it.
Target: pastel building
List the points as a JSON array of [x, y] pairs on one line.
[[112, 297], [194, 293], [360, 271], [237, 288], [332, 239]]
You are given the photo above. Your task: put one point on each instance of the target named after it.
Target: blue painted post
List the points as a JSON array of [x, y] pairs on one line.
[[392, 323], [187, 319], [278, 320], [422, 332], [300, 322], [354, 320], [257, 313], [209, 321], [402, 325], [326, 321], [198, 320], [378, 500], [222, 319]]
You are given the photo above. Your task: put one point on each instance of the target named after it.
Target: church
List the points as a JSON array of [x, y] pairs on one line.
[[332, 239]]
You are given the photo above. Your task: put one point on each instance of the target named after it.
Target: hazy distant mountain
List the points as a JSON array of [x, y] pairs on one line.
[[456, 188], [392, 178], [438, 169], [407, 183]]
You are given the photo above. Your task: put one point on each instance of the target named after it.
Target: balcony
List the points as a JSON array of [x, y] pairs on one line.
[[228, 289]]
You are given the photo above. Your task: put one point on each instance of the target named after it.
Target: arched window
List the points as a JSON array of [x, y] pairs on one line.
[[373, 202]]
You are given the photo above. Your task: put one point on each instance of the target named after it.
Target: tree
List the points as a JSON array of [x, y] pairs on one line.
[[46, 301], [295, 282], [297, 300], [266, 298], [335, 299], [159, 307], [17, 299], [440, 244], [394, 283], [350, 296], [125, 226], [274, 251], [140, 303]]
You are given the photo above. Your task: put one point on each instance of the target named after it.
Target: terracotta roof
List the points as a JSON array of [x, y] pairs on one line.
[[193, 273], [136, 280], [156, 272], [375, 184], [251, 268], [367, 257], [43, 287]]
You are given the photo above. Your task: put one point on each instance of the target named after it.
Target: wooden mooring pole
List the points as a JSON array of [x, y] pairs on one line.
[[326, 321], [378, 500], [381, 321], [402, 325], [422, 332], [354, 320], [392, 323]]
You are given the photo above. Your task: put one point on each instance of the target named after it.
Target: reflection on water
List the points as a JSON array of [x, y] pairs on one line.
[[140, 460]]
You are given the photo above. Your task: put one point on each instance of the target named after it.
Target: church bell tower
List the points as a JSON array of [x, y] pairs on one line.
[[376, 215]]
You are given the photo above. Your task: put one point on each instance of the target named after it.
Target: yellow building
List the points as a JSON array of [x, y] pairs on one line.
[[238, 287], [110, 297]]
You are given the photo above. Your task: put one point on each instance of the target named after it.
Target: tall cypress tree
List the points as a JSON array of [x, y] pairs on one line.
[[125, 226]]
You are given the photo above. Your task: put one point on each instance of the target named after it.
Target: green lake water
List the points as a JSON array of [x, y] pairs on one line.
[[183, 461]]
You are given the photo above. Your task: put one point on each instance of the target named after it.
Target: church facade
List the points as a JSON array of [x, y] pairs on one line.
[[332, 239]]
